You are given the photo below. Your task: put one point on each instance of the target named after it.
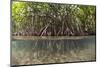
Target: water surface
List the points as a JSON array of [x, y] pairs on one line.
[[42, 50]]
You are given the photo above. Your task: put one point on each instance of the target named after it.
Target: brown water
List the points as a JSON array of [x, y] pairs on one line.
[[43, 50]]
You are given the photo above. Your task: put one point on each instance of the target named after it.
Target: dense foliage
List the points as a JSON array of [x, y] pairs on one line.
[[32, 18]]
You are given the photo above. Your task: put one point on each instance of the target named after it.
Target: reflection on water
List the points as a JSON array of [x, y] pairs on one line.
[[52, 50]]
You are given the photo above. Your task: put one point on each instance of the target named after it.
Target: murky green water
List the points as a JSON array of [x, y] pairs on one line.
[[36, 50]]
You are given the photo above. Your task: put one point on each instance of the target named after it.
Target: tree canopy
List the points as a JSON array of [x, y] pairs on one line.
[[43, 19]]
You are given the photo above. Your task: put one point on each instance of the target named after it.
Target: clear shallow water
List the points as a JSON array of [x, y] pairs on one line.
[[42, 50]]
